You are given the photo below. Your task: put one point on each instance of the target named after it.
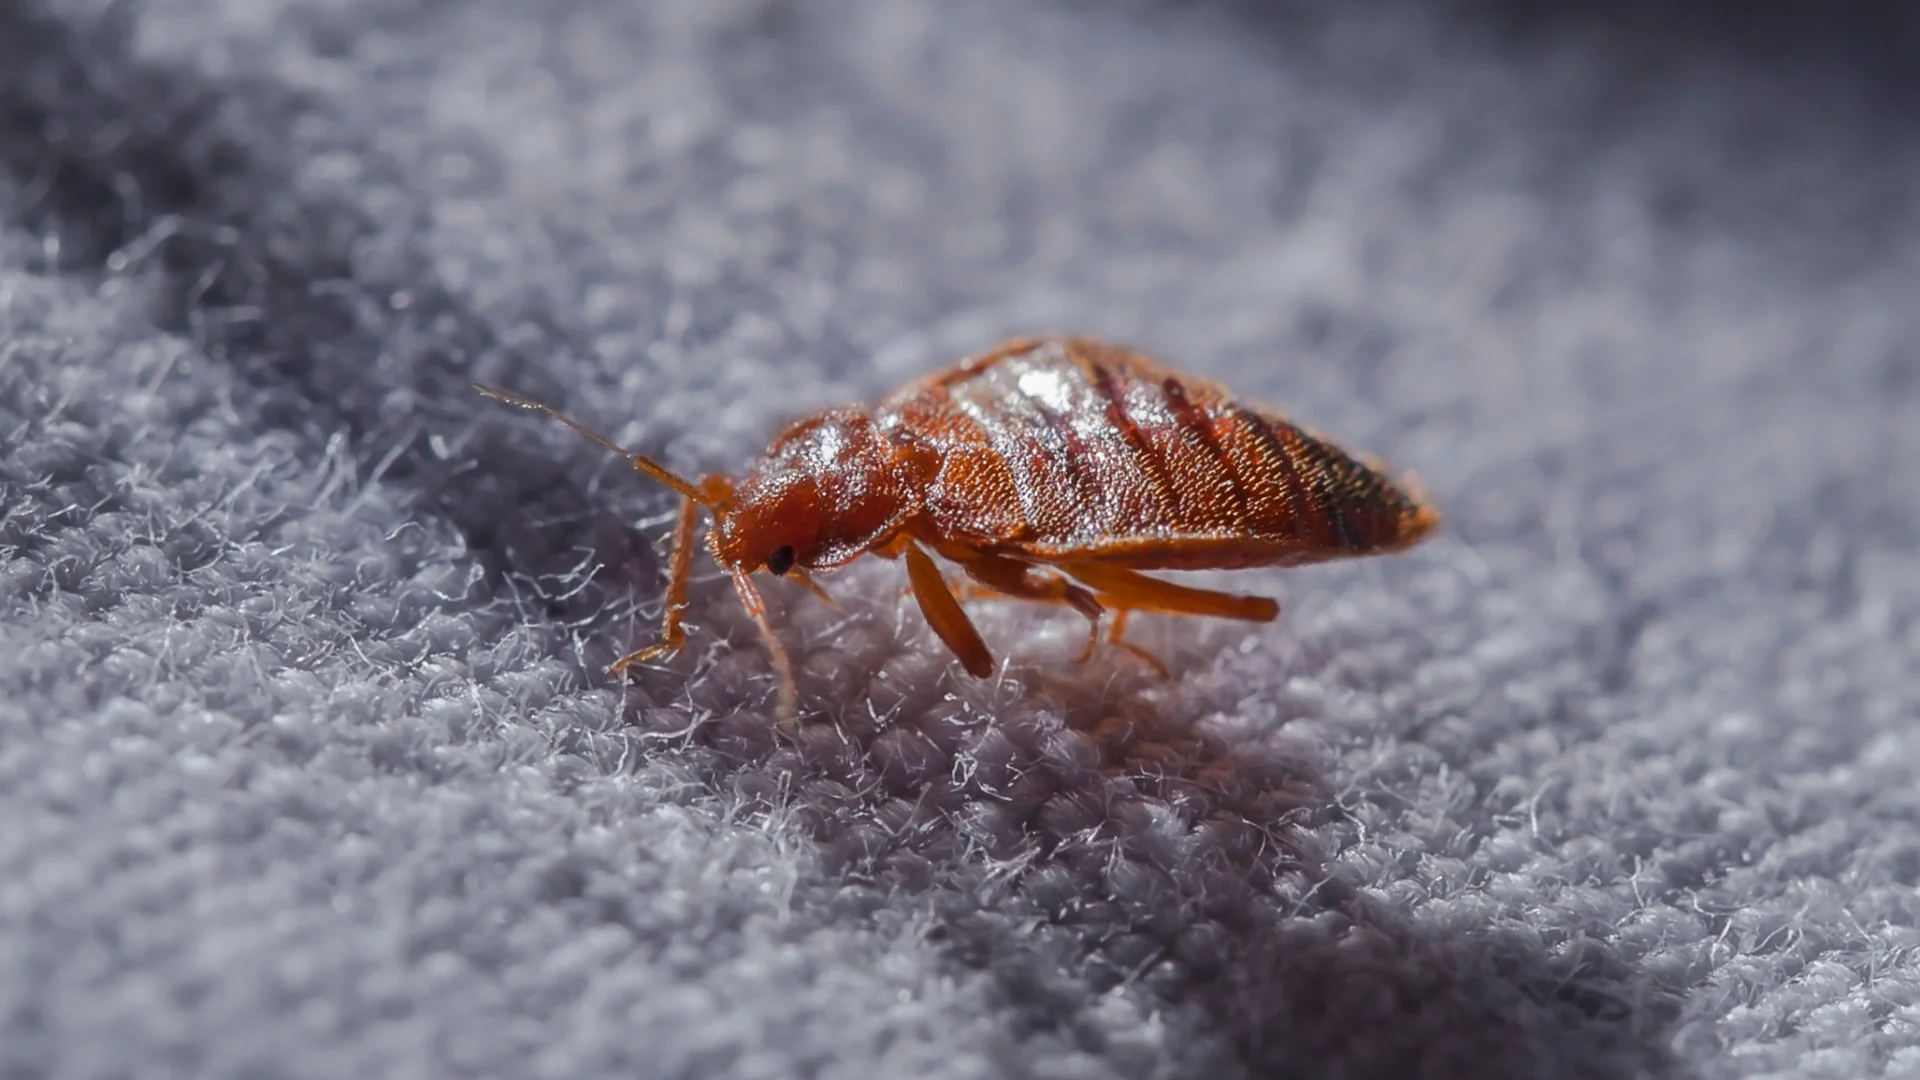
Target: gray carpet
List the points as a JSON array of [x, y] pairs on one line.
[[307, 768]]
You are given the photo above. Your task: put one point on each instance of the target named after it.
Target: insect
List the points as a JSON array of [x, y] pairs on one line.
[[1053, 469]]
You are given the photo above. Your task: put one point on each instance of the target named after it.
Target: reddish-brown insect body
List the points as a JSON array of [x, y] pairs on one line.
[[1051, 469]]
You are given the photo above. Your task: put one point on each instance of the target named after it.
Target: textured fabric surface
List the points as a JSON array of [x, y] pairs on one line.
[[307, 767]]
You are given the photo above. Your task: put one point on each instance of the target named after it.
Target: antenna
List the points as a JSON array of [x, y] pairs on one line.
[[639, 461]]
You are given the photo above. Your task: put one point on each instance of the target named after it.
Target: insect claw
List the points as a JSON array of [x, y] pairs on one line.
[[651, 652], [1093, 640]]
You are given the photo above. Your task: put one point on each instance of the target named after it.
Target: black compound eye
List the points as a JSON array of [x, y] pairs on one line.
[[781, 560]]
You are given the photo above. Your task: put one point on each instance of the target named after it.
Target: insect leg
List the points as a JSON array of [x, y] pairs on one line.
[[1011, 577], [1129, 590], [1117, 631], [945, 615], [1123, 588], [782, 666], [679, 563]]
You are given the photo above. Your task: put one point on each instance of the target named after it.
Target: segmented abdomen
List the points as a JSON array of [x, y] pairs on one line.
[[1061, 448]]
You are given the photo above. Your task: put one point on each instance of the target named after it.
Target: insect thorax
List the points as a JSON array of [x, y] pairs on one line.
[[830, 487]]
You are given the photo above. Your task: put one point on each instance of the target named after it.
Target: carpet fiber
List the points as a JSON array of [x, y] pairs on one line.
[[308, 767]]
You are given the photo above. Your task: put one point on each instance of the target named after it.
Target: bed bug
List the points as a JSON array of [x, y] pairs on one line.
[[1053, 469]]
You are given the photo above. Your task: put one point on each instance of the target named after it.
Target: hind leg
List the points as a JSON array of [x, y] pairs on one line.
[[1127, 591], [1122, 588], [1115, 632]]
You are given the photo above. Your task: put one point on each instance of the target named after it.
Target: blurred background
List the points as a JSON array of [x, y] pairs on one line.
[[307, 764]]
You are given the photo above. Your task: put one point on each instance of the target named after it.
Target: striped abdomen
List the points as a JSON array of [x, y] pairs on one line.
[[1068, 448]]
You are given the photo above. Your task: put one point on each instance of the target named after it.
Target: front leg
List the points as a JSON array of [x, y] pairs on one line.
[[679, 565]]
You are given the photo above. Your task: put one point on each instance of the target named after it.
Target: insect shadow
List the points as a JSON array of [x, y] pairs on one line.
[[1086, 832]]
